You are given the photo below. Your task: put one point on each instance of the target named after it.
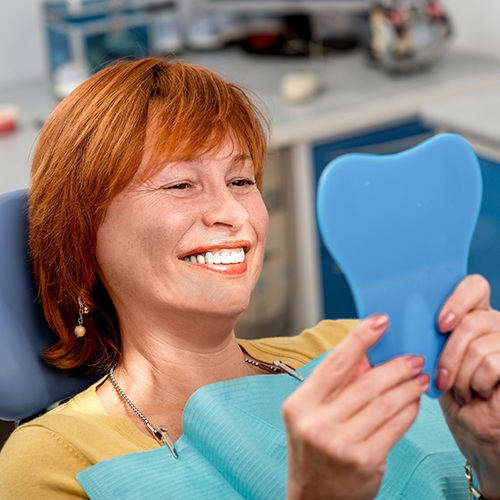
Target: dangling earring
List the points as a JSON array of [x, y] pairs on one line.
[[80, 330]]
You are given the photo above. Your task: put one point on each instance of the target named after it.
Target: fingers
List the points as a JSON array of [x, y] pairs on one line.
[[392, 430], [486, 377], [364, 405], [346, 417], [464, 314], [473, 292], [383, 407], [479, 372], [386, 387], [347, 437], [355, 411], [370, 453], [344, 361], [477, 323], [471, 347], [345, 374]]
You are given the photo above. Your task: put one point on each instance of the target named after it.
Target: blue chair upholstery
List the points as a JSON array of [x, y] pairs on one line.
[[28, 385]]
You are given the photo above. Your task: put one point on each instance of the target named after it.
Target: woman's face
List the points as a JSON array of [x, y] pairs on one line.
[[189, 240]]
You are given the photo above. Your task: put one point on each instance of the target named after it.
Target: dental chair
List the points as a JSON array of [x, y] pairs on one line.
[[28, 385]]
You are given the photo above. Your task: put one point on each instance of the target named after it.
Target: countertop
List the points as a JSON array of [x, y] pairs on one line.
[[354, 94], [474, 115]]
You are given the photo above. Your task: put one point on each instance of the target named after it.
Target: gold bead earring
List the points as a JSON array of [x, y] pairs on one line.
[[80, 330]]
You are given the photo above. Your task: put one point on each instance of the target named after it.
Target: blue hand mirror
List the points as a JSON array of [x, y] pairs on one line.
[[400, 227]]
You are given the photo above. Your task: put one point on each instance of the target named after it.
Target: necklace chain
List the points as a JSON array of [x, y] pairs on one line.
[[121, 392], [160, 433], [260, 364], [277, 367]]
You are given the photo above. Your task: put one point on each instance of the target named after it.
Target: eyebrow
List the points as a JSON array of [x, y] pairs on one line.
[[239, 158]]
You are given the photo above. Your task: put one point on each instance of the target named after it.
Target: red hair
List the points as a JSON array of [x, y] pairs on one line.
[[89, 150]]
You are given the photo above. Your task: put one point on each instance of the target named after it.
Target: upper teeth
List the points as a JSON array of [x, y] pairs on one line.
[[223, 257]]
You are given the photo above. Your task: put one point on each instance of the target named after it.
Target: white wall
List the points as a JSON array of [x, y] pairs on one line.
[[22, 44], [476, 25], [23, 54]]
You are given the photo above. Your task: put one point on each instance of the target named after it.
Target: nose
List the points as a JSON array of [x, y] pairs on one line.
[[222, 208]]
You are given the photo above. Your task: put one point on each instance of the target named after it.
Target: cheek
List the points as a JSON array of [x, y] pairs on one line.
[[259, 218], [117, 241], [112, 254]]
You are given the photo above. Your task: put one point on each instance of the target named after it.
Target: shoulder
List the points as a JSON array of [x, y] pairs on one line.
[[45, 454], [37, 462], [42, 457], [300, 349]]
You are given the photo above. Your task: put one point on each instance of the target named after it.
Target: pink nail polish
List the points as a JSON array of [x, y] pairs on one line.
[[378, 321], [423, 379], [443, 379], [447, 322], [416, 362]]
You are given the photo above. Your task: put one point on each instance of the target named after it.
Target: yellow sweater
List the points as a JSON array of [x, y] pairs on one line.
[[42, 457]]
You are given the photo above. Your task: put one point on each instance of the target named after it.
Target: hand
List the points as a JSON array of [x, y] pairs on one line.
[[469, 373], [346, 417]]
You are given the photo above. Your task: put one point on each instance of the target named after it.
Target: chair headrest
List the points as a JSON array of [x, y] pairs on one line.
[[28, 385]]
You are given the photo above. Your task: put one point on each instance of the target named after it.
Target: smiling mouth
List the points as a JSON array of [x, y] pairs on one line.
[[220, 257]]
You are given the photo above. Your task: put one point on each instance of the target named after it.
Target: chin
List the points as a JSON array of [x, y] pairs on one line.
[[221, 301], [230, 310]]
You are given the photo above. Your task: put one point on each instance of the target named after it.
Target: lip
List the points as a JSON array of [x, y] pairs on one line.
[[227, 269], [223, 245]]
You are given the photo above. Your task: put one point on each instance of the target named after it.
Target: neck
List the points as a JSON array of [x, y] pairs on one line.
[[176, 362], [160, 370]]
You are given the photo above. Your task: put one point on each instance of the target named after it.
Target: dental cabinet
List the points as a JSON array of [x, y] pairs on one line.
[[357, 108]]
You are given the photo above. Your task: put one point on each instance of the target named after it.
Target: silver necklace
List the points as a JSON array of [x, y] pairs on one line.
[[160, 433], [277, 367]]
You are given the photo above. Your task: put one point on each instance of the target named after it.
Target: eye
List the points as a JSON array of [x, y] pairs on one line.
[[180, 186], [243, 182]]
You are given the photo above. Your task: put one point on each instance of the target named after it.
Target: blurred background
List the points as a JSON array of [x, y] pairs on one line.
[[23, 32], [335, 76]]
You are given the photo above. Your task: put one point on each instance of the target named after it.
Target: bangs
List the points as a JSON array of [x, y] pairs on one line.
[[190, 117]]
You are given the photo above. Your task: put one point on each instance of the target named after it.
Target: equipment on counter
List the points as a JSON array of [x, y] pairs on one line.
[[407, 34]]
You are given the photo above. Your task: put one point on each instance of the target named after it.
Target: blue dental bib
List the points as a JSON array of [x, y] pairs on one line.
[[234, 447]]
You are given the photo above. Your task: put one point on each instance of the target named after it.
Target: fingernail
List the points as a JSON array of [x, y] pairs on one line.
[[416, 362], [443, 379], [378, 321], [458, 397], [447, 322], [423, 379]]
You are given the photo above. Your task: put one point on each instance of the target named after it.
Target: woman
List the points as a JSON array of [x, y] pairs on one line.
[[147, 233]]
